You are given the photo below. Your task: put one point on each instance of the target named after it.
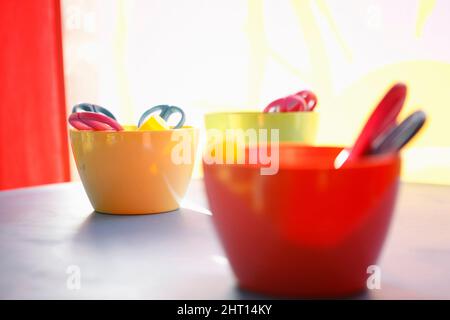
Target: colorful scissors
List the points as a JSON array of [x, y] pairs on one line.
[[304, 100], [400, 135], [382, 119], [89, 107], [165, 112], [93, 121]]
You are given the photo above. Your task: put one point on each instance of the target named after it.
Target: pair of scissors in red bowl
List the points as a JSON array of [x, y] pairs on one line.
[[381, 133], [304, 100], [383, 118]]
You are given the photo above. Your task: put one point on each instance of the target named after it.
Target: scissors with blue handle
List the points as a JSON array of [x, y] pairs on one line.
[[90, 107], [165, 112]]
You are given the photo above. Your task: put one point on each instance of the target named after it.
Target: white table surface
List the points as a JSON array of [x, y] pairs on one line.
[[44, 230]]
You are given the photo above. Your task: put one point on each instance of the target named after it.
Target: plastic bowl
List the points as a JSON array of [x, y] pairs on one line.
[[310, 230], [293, 126], [132, 172]]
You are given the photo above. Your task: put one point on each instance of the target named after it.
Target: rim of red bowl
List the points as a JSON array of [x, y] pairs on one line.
[[328, 163]]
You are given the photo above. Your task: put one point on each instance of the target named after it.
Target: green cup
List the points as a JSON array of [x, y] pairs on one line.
[[292, 126]]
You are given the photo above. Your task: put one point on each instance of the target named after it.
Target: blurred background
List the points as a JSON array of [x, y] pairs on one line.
[[206, 56]]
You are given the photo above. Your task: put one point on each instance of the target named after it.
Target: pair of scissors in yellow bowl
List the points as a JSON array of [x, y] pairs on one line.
[[87, 116]]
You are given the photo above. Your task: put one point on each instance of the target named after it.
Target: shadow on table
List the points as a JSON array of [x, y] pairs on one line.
[[239, 293], [181, 237], [386, 293], [109, 230]]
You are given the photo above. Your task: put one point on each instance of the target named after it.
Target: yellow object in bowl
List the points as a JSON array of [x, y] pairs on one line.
[[135, 172], [155, 122]]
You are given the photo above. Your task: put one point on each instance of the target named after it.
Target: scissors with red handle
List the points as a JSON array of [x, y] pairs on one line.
[[381, 120], [93, 121], [304, 100]]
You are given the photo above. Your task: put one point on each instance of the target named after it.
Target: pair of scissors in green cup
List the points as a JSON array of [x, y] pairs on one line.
[[165, 112]]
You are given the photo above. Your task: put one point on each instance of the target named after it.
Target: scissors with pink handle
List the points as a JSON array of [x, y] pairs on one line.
[[304, 100], [93, 121]]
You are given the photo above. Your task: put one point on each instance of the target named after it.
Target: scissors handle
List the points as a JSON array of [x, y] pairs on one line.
[[382, 119], [294, 103], [89, 107], [275, 106], [310, 99], [92, 120], [400, 135], [165, 113], [301, 101]]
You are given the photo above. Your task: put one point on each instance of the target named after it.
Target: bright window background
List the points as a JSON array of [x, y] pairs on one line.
[[232, 55]]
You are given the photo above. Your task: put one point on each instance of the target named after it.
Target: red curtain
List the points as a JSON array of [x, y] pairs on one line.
[[33, 136]]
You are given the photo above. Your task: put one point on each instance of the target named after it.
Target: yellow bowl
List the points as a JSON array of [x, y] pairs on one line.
[[135, 172], [293, 126]]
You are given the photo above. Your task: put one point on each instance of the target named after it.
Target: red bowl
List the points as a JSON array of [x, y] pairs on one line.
[[310, 230]]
